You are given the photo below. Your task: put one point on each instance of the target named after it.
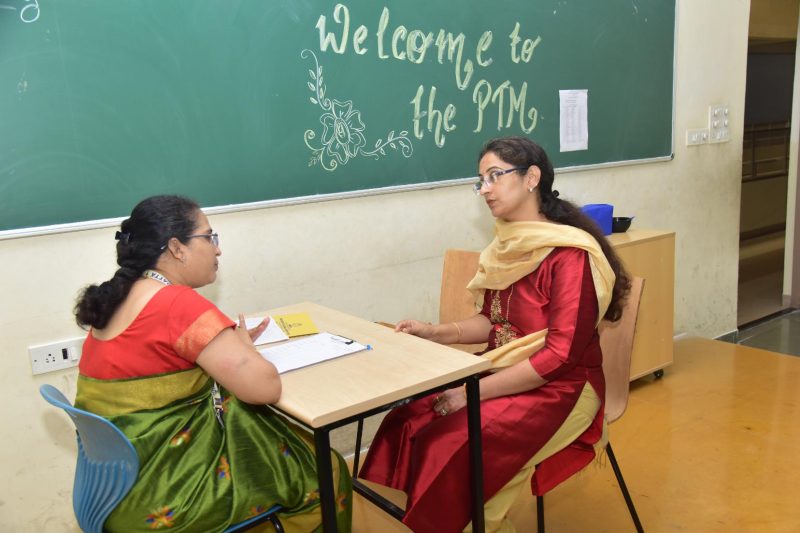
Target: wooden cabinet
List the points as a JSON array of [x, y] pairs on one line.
[[650, 254]]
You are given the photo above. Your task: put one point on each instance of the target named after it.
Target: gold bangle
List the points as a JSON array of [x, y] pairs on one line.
[[458, 329]]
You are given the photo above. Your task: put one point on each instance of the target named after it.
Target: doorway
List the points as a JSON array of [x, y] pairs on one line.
[[765, 176]]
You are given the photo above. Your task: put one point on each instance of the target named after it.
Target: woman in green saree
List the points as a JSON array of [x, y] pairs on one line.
[[210, 455]]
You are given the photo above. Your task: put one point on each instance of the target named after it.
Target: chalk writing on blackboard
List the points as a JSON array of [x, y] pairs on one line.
[[342, 128], [22, 85], [29, 13], [507, 99]]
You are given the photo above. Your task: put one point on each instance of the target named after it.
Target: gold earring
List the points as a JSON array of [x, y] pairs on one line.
[[530, 189]]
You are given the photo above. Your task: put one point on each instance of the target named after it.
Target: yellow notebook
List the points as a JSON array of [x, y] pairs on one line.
[[296, 324]]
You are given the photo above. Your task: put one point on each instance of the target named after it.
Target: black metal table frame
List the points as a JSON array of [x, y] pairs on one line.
[[325, 468]]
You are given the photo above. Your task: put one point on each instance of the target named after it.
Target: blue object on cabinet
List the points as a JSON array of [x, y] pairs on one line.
[[602, 214]]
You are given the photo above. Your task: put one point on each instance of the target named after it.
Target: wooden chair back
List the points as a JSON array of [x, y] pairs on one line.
[[455, 301], [616, 341]]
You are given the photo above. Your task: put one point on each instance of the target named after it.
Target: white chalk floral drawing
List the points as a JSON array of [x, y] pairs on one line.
[[29, 13], [342, 128]]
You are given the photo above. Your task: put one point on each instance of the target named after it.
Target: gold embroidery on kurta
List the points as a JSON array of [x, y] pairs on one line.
[[505, 333], [496, 312]]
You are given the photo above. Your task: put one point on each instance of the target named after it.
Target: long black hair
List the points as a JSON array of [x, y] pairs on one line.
[[523, 152], [140, 242]]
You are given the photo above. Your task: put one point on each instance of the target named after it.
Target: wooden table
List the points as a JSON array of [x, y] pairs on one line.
[[399, 367]]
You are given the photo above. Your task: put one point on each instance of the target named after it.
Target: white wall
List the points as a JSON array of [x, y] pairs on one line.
[[380, 257], [791, 258]]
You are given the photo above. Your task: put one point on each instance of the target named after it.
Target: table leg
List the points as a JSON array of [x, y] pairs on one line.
[[325, 478], [475, 451]]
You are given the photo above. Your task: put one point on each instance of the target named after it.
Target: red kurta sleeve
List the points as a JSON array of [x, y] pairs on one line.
[[573, 315]]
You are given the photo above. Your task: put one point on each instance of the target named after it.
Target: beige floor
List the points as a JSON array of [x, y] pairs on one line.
[[712, 446]]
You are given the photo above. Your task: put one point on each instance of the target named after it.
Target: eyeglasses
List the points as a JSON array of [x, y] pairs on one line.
[[492, 177], [213, 237]]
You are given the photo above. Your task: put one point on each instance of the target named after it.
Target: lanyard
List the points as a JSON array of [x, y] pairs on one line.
[[217, 398], [152, 274]]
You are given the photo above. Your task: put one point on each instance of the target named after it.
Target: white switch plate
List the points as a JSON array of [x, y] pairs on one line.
[[55, 356], [718, 123], [695, 137]]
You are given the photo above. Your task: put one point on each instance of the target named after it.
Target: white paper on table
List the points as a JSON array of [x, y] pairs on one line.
[[273, 333], [309, 350], [574, 119]]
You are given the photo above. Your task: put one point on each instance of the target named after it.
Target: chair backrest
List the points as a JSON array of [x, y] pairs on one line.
[[455, 301], [107, 464], [616, 341]]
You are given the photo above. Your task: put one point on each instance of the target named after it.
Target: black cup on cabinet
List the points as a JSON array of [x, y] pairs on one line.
[[620, 224]]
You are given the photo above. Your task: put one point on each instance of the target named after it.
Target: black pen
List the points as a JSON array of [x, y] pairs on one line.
[[344, 340]]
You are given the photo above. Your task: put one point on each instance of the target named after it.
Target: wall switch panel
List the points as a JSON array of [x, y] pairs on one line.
[[695, 137], [719, 123], [55, 356]]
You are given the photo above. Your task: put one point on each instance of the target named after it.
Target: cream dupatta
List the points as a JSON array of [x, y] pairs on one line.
[[517, 250]]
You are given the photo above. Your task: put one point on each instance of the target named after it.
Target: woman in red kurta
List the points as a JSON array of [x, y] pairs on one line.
[[550, 275]]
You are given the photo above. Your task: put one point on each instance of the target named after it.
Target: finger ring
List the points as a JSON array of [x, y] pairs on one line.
[[443, 412]]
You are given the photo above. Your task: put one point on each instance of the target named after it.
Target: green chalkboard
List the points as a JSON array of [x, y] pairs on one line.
[[104, 102]]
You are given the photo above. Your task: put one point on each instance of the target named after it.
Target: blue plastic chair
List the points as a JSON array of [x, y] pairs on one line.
[[107, 468], [107, 464]]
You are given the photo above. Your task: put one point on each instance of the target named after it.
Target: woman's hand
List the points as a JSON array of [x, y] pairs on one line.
[[416, 328], [250, 335], [450, 401], [468, 331]]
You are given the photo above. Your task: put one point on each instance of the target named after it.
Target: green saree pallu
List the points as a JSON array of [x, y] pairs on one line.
[[203, 472]]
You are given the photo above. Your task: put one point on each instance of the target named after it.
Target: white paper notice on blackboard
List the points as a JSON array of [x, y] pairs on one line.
[[574, 105]]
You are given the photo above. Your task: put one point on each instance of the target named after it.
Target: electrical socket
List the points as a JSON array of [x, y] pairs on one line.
[[55, 356], [695, 137]]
